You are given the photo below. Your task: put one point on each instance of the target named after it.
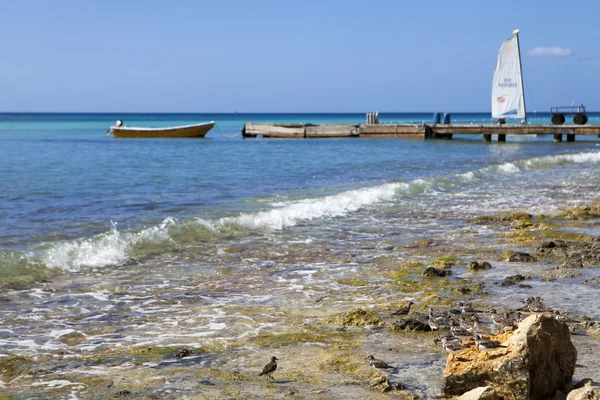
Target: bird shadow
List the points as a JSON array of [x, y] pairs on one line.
[[283, 381]]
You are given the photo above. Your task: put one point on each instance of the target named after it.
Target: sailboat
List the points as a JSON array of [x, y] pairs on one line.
[[508, 98]]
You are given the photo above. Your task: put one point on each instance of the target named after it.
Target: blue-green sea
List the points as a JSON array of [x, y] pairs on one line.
[[215, 242], [67, 187]]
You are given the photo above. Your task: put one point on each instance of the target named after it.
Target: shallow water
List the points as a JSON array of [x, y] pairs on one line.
[[218, 244]]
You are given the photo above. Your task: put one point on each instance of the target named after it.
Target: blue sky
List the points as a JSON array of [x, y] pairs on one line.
[[290, 56]]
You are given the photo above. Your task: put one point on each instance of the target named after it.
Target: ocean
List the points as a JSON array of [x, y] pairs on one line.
[[91, 224]]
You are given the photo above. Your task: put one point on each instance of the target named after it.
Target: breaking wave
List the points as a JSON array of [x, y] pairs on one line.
[[117, 246]]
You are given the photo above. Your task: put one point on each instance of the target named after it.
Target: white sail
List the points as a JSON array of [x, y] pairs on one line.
[[507, 87]]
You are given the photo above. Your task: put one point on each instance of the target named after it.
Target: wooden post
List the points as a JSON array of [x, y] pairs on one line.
[[487, 137], [557, 138], [570, 138], [502, 137]]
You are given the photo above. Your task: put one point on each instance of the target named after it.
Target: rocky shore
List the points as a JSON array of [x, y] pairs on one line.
[[494, 262]]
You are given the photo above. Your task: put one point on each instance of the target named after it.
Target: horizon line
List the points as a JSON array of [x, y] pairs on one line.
[[255, 112]]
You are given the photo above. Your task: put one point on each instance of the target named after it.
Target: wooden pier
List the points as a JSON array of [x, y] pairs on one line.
[[422, 131]]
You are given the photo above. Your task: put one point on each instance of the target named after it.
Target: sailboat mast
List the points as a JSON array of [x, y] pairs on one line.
[[516, 33]]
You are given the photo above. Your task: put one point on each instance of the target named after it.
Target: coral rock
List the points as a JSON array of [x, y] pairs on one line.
[[539, 360], [585, 393]]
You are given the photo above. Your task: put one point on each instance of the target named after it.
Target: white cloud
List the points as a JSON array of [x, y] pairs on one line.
[[550, 51]]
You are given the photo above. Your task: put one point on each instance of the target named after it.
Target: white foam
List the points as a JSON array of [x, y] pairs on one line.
[[60, 332], [289, 214], [509, 168], [58, 383], [114, 246], [217, 326]]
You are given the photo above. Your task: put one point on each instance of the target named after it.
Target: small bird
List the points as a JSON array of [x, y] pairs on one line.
[[496, 318], [511, 321], [469, 323], [563, 316], [445, 336], [466, 308], [450, 343], [270, 368], [460, 332], [487, 345], [378, 364], [452, 347], [536, 305], [404, 310], [441, 320]]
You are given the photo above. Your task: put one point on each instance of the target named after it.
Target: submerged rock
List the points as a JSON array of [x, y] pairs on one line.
[[514, 279], [411, 325], [433, 271], [479, 265], [356, 317], [515, 256], [539, 360]]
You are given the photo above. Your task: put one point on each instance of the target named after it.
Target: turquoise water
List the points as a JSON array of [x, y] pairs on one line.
[[135, 243], [67, 185]]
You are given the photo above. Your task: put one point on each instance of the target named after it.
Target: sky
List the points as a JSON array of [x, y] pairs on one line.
[[290, 56]]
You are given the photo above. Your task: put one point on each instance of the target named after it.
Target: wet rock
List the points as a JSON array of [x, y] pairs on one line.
[[592, 281], [587, 392], [551, 246], [584, 382], [518, 216], [181, 353], [572, 263], [560, 273], [380, 383], [479, 265], [474, 289], [411, 325], [383, 384], [514, 279], [419, 243], [433, 272], [539, 360], [73, 338], [480, 393], [13, 366], [515, 256], [356, 317]]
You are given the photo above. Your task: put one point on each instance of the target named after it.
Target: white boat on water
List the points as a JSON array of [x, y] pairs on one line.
[[196, 130]]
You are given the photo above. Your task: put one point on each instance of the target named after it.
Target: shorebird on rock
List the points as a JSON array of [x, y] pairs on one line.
[[460, 332], [404, 310], [563, 316], [466, 308], [536, 305], [450, 343], [487, 345], [378, 364], [440, 320], [269, 368]]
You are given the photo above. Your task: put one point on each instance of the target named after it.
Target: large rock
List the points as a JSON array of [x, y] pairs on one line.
[[539, 360], [587, 392]]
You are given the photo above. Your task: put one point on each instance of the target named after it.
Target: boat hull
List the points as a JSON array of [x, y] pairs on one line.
[[198, 130]]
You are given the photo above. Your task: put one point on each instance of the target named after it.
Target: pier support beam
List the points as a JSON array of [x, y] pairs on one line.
[[487, 137], [570, 138], [502, 137], [557, 138]]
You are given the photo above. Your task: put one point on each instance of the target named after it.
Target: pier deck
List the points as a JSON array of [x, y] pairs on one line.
[[434, 131]]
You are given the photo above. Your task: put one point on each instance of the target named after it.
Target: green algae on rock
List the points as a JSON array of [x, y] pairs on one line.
[[479, 265], [356, 317]]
